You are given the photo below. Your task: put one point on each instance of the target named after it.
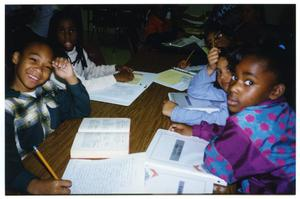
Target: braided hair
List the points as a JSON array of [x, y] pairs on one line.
[[73, 14]]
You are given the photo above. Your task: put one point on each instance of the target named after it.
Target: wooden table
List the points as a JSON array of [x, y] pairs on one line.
[[145, 113]]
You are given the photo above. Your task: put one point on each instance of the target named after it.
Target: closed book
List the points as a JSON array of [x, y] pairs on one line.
[[174, 164]]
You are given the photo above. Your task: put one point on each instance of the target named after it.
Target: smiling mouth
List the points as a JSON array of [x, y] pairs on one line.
[[33, 78]]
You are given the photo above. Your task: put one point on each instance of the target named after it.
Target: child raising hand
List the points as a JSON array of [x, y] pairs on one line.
[[34, 107], [256, 146], [211, 83]]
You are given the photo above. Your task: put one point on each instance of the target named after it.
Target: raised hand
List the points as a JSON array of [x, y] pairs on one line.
[[213, 57], [63, 69]]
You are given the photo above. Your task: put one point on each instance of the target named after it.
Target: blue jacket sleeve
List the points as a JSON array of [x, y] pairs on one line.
[[74, 102], [17, 177], [193, 117], [202, 86]]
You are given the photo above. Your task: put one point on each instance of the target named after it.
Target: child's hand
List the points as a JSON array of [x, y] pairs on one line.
[[124, 76], [64, 69], [124, 68], [168, 108], [213, 57], [183, 64], [37, 186], [182, 129]]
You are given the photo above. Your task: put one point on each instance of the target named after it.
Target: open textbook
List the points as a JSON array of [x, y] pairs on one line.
[[174, 164], [185, 101], [124, 93], [101, 138], [123, 175], [174, 79]]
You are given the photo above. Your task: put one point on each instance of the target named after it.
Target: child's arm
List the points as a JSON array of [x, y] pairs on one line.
[[193, 117], [17, 178], [168, 107], [212, 57], [182, 129], [74, 102], [202, 86]]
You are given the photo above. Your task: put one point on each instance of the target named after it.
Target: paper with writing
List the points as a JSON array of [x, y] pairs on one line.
[[110, 176]]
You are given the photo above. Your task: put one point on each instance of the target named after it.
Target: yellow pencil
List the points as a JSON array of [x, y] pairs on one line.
[[190, 55], [45, 163]]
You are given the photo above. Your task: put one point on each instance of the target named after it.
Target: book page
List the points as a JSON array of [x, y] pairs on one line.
[[100, 145], [111, 176], [105, 124]]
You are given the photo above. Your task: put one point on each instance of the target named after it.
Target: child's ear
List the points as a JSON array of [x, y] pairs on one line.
[[15, 57], [277, 91]]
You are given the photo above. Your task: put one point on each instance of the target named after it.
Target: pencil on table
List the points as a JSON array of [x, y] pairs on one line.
[[45, 163]]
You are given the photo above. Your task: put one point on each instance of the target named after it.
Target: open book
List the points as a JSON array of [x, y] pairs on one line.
[[185, 101], [101, 138], [174, 164], [124, 93], [174, 79]]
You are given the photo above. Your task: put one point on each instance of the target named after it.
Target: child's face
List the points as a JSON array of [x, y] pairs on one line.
[[33, 67], [221, 40], [217, 39], [250, 85], [67, 34], [223, 73]]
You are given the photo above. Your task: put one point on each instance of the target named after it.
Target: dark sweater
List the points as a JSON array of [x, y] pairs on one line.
[[72, 103]]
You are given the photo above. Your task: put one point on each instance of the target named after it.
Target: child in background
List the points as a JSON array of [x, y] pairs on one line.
[[65, 32], [203, 86], [256, 147], [215, 36], [34, 107]]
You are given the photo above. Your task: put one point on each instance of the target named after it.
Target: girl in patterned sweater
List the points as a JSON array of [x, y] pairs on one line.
[[256, 146]]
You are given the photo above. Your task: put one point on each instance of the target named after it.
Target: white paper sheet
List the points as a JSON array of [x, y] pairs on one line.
[[124, 93], [111, 176]]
